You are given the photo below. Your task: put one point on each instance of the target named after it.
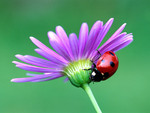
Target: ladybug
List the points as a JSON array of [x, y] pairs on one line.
[[105, 67]]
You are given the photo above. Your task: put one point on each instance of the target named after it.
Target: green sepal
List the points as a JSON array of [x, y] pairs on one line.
[[76, 73]]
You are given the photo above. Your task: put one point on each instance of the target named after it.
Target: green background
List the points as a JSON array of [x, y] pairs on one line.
[[128, 91]]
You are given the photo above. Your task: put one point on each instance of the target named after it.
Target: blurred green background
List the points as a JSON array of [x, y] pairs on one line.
[[128, 91]]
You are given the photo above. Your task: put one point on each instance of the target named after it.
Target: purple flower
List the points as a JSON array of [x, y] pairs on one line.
[[70, 50]]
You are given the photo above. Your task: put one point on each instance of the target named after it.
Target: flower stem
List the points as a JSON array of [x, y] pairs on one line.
[[92, 98]]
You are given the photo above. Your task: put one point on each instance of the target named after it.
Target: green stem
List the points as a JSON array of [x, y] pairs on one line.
[[92, 98]]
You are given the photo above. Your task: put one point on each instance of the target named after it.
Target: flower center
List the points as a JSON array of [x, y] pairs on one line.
[[76, 73]]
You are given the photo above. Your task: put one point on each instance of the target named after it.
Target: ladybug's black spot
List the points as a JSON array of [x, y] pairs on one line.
[[111, 53], [106, 74], [112, 64]]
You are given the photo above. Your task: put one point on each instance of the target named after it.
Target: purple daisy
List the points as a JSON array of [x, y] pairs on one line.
[[69, 50], [72, 55]]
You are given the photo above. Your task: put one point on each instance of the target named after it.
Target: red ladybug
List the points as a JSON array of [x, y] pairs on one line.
[[105, 67]]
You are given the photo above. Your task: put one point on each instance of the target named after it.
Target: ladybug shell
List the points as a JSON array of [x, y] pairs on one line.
[[107, 64]]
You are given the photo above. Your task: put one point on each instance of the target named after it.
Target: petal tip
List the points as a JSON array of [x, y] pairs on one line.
[[51, 35], [58, 27], [84, 24], [111, 19], [17, 55], [31, 37], [16, 80], [49, 32], [123, 26], [13, 62], [13, 80], [131, 38], [98, 21], [72, 34]]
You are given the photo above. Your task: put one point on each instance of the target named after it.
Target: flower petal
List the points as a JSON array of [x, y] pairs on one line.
[[102, 33], [114, 43], [114, 35], [34, 68], [118, 31], [56, 43], [117, 43], [29, 79], [65, 41], [73, 40], [109, 42], [114, 38], [47, 56], [49, 78], [123, 44], [38, 61], [96, 28], [43, 62], [83, 35], [48, 50], [31, 74], [106, 28]]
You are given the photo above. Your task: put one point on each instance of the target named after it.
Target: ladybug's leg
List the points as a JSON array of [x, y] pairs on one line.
[[99, 53], [88, 69], [94, 65]]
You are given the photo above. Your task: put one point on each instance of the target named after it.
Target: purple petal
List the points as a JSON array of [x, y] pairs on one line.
[[115, 34], [34, 68], [94, 55], [49, 57], [106, 28], [44, 62], [83, 35], [93, 37], [38, 61], [47, 50], [30, 79], [49, 78], [116, 44], [31, 74], [97, 25], [109, 42], [73, 40], [102, 33], [56, 43], [123, 44], [65, 41]]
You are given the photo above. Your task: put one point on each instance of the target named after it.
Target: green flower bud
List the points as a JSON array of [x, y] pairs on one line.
[[76, 73]]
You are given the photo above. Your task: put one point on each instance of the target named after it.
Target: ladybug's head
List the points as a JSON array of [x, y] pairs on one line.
[[96, 76]]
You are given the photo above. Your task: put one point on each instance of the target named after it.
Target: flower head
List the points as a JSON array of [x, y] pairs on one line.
[[72, 54]]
